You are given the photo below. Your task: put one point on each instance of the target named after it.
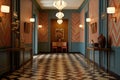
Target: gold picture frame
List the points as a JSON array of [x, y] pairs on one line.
[[94, 27], [26, 27], [59, 34]]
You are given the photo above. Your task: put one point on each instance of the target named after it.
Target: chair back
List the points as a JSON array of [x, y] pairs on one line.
[[64, 44], [54, 44]]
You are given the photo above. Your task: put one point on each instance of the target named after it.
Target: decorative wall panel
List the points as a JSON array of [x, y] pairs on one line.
[[114, 27], [43, 32], [82, 19], [75, 27], [5, 28]]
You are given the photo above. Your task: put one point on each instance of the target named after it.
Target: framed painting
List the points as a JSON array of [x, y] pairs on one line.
[[26, 27], [94, 27], [59, 34]]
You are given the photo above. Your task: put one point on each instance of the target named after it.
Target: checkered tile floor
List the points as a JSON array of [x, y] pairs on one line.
[[59, 66]]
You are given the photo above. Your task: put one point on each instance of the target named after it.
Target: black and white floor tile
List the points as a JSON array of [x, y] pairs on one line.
[[59, 66]]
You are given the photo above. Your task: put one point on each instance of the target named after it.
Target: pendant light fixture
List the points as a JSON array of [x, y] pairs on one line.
[[59, 21], [60, 4], [59, 15]]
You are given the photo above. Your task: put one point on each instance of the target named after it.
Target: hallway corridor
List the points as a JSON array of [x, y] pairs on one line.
[[58, 66]]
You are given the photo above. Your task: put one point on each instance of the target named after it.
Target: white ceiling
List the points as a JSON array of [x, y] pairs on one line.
[[71, 4]]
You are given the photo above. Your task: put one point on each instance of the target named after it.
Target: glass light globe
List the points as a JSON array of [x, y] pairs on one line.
[[60, 4], [59, 21], [59, 15]]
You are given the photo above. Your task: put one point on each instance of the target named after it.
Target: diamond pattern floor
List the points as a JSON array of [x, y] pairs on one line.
[[59, 66]]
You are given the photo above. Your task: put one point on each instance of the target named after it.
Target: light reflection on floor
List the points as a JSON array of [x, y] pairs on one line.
[[59, 66]]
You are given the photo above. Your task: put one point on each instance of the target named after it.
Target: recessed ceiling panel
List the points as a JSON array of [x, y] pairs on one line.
[[71, 4]]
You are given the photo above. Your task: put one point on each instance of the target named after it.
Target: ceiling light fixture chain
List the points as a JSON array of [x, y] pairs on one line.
[[60, 4]]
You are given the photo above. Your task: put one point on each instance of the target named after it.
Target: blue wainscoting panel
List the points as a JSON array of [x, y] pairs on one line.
[[96, 56], [115, 60], [4, 62], [78, 47], [82, 48], [44, 47]]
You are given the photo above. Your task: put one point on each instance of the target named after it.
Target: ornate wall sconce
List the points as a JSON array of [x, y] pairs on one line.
[[88, 19], [39, 26], [81, 26], [111, 10], [4, 9], [32, 19]]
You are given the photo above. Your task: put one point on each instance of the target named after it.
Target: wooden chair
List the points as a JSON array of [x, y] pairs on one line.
[[64, 46], [54, 46]]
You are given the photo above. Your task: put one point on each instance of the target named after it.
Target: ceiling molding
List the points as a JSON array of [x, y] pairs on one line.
[[35, 3], [48, 4], [83, 5]]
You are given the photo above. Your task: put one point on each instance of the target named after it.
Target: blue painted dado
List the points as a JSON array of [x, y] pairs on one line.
[[4, 62], [44, 47], [8, 60], [78, 47], [115, 60]]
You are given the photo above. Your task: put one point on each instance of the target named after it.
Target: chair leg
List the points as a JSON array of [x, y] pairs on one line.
[[65, 49], [62, 50], [56, 50]]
